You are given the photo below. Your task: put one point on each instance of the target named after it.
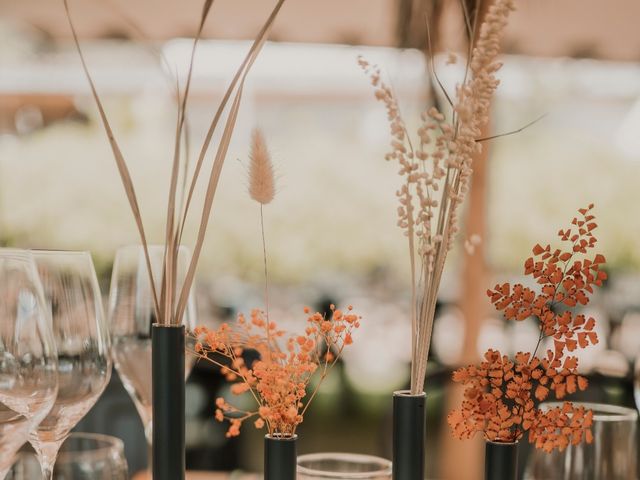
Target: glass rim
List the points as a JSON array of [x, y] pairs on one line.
[[49, 251], [602, 412], [10, 252], [150, 246], [383, 463], [104, 445]]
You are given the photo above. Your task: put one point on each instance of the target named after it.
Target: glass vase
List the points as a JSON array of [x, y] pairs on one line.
[[612, 455], [343, 466]]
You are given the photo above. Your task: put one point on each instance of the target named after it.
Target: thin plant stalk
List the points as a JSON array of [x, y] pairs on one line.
[[266, 276]]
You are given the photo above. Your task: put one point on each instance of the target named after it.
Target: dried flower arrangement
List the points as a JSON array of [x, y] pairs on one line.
[[279, 379], [502, 396], [170, 303], [437, 170]]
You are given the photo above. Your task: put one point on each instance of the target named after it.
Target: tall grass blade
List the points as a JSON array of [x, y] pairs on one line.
[[120, 162], [223, 146]]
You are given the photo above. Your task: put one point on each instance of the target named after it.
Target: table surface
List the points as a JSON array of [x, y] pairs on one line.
[[204, 476]]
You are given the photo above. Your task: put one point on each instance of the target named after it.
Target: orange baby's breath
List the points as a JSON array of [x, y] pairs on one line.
[[279, 379], [502, 396]]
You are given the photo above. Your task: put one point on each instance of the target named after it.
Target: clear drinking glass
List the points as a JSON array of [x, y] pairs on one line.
[[82, 456], [345, 466], [131, 314], [82, 340], [28, 362], [611, 456]]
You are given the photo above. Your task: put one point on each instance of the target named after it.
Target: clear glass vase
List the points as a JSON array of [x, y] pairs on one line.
[[345, 466], [83, 456], [612, 455]]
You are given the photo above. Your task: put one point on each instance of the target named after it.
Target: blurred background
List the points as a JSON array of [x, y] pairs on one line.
[[331, 233]]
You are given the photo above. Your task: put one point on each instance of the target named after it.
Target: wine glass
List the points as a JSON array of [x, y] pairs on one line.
[[90, 456], [28, 362], [82, 339], [131, 315]]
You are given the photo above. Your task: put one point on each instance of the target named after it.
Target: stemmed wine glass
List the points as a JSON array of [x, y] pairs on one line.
[[131, 314], [28, 362], [82, 340]]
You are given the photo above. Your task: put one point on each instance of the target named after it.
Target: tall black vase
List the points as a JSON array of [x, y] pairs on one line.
[[280, 457], [501, 461], [409, 432], [168, 344]]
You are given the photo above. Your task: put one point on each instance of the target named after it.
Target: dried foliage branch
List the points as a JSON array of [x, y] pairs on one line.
[[171, 302], [437, 171], [502, 396]]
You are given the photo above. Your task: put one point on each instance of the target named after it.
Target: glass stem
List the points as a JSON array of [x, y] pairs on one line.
[[47, 453], [148, 433], [149, 457]]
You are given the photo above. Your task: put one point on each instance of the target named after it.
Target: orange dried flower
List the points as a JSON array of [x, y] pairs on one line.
[[278, 380], [502, 396]]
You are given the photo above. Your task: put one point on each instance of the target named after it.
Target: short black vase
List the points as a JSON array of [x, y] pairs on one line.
[[501, 461], [280, 457], [168, 343], [409, 432]]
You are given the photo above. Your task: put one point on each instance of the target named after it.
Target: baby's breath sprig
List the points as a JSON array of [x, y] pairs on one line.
[[278, 380]]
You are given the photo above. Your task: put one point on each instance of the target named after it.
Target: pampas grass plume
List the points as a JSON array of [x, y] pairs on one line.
[[261, 180]]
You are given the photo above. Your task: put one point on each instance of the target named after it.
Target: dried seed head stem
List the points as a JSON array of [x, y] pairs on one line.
[[262, 190], [261, 180], [437, 170]]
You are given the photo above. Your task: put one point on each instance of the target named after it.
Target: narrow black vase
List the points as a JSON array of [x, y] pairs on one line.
[[168, 345], [280, 457], [501, 461], [409, 431]]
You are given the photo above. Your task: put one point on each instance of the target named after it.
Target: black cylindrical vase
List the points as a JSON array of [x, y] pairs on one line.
[[501, 461], [280, 457], [409, 432], [168, 402]]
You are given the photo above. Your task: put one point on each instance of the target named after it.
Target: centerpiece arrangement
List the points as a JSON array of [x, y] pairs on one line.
[[502, 395], [170, 301], [282, 371], [436, 169]]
